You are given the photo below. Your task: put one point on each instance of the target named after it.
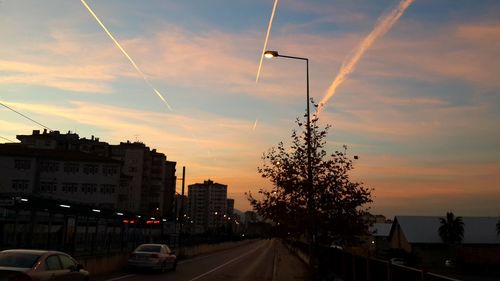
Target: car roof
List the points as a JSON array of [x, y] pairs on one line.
[[31, 251], [151, 245]]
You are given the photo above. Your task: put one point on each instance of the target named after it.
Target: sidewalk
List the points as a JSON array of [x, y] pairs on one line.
[[288, 266]]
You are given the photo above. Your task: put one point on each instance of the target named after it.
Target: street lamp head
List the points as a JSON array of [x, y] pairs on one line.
[[271, 54]]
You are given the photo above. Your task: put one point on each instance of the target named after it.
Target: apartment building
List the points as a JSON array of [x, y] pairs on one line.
[[146, 180], [70, 176], [207, 205]]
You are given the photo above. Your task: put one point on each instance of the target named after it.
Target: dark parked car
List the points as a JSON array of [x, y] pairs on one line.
[[153, 256], [38, 265]]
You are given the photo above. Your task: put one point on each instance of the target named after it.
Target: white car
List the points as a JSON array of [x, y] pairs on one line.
[[40, 265], [152, 256], [398, 261]]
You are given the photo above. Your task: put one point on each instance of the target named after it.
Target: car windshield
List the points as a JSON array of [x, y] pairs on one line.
[[149, 248], [22, 260]]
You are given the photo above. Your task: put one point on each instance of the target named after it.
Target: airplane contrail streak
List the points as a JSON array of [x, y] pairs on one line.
[[125, 53], [383, 25], [265, 41], [255, 124]]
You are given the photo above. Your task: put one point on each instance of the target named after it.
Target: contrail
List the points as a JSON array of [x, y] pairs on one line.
[[125, 53], [381, 27], [265, 41], [255, 124]]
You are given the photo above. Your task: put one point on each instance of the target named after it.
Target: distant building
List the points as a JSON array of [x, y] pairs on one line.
[[380, 239], [132, 158], [170, 184], [207, 205], [250, 217], [230, 207], [418, 236], [62, 175], [151, 179]]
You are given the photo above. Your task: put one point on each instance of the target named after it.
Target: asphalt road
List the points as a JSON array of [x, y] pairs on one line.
[[251, 262]]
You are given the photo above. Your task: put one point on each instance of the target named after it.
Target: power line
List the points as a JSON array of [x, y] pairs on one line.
[[5, 139], [6, 106]]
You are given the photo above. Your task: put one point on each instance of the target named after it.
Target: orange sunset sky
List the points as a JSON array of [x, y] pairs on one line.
[[421, 108]]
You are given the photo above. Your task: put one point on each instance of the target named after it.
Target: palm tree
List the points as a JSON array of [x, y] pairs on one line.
[[451, 229]]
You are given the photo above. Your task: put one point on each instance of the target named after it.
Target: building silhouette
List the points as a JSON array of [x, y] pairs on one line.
[[129, 176], [207, 206]]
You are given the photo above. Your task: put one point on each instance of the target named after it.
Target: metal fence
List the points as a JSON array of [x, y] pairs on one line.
[[82, 230], [334, 262], [77, 234]]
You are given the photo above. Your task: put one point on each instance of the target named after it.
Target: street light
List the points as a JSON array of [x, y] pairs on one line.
[[310, 207], [271, 54], [274, 54]]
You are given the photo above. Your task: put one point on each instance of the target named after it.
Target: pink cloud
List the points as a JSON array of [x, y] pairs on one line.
[[480, 32], [467, 51]]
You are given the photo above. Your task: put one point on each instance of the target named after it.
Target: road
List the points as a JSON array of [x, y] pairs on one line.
[[251, 262]]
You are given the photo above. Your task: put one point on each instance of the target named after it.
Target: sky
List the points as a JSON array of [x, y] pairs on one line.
[[421, 109]]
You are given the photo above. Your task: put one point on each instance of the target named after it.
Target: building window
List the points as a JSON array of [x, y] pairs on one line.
[[20, 184], [49, 187], [69, 187], [89, 188], [109, 170], [49, 166], [90, 169], [107, 188], [22, 164], [71, 167]]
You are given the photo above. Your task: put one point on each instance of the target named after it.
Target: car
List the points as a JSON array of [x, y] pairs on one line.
[[38, 265], [449, 262], [153, 256], [398, 261]]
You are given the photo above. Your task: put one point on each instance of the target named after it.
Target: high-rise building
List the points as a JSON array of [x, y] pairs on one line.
[[169, 190], [152, 179], [132, 157], [207, 205], [230, 207]]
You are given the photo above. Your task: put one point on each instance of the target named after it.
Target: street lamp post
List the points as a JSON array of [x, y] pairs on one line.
[[273, 54]]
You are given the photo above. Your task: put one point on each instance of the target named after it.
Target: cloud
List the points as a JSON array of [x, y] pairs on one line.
[[404, 185], [67, 62], [477, 32], [184, 137], [467, 52]]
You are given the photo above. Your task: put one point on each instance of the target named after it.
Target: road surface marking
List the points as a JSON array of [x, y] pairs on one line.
[[213, 254], [224, 264], [121, 277], [275, 262]]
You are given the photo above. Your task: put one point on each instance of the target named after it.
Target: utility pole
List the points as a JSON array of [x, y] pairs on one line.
[[181, 213]]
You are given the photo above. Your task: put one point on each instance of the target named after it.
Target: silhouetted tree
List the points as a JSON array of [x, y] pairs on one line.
[[338, 204], [451, 230]]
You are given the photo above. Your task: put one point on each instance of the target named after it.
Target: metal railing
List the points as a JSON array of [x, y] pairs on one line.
[[335, 263]]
